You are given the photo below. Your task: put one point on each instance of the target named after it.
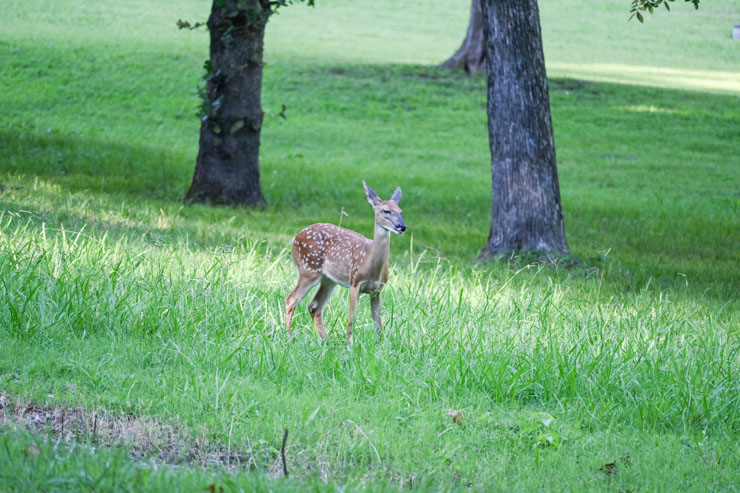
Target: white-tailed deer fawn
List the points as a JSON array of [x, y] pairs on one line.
[[328, 255]]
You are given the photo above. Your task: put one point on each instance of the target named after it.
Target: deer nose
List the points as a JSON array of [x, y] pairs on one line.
[[402, 228]]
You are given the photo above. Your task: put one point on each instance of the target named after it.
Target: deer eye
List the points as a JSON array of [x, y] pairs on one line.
[[386, 211]]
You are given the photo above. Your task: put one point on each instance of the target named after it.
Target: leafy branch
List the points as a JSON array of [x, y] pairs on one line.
[[639, 6]]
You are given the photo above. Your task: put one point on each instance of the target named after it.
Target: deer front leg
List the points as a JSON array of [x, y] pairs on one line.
[[375, 308], [354, 293]]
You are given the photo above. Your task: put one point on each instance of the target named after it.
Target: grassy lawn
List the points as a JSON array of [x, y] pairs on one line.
[[141, 342]]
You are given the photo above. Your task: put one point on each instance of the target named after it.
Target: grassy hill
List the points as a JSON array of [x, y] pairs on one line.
[[141, 342]]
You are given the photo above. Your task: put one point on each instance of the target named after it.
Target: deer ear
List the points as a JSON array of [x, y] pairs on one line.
[[372, 197], [396, 197]]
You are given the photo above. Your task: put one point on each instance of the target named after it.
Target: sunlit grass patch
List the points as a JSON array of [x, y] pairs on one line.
[[701, 80]]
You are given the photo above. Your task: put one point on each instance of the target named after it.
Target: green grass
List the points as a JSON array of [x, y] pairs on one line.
[[117, 297]]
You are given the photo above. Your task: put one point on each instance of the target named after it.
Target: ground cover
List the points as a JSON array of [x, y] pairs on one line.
[[118, 300]]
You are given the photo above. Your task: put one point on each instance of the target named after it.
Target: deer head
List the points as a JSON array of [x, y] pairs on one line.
[[388, 215]]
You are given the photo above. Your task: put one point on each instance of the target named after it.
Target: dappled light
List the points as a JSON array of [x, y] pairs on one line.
[[143, 345], [657, 76]]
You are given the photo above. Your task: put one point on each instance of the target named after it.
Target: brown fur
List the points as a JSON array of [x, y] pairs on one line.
[[328, 255]]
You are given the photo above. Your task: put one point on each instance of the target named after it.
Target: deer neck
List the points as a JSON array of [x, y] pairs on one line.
[[380, 249]]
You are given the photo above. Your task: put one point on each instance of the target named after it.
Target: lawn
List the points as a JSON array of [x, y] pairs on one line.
[[141, 341]]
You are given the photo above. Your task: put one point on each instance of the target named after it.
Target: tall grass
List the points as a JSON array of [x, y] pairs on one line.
[[166, 330], [616, 371]]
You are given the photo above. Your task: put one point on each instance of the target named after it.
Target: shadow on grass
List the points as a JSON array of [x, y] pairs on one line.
[[78, 163], [600, 128]]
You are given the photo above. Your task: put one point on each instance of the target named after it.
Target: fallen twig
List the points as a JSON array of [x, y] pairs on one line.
[[282, 453]]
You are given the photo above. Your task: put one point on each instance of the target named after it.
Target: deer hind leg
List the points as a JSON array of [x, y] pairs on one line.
[[305, 283], [316, 307]]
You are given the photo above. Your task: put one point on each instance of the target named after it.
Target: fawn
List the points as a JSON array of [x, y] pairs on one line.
[[328, 255]]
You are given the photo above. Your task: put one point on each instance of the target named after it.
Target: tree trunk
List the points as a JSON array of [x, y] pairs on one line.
[[470, 57], [227, 168], [526, 214]]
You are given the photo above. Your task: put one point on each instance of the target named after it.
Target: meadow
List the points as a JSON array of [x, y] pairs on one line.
[[141, 340]]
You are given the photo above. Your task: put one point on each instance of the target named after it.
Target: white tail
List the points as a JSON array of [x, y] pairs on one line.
[[328, 255]]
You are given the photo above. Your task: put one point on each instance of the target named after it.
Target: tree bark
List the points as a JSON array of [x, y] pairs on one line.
[[470, 57], [227, 167], [526, 213]]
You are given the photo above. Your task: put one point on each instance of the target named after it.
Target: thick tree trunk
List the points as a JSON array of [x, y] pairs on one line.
[[227, 168], [526, 214], [470, 57]]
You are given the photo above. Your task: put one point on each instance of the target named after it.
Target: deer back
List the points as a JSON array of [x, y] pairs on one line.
[[337, 253]]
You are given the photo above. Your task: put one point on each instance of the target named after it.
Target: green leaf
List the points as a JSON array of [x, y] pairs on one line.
[[639, 17]]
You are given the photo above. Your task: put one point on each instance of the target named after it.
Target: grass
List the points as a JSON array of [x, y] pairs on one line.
[[619, 373]]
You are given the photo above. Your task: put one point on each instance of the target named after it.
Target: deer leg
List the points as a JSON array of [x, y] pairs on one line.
[[305, 283], [375, 308], [316, 307], [354, 293]]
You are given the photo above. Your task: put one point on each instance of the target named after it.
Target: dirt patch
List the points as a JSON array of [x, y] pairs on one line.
[[147, 438]]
